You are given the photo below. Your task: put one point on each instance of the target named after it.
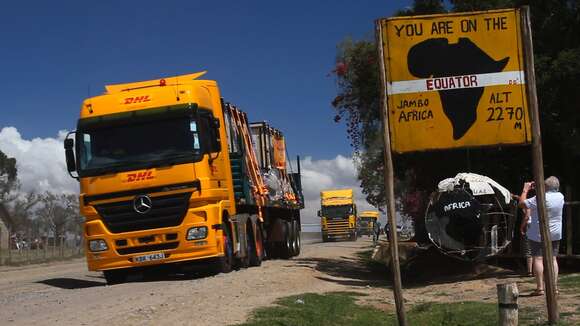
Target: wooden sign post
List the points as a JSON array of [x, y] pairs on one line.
[[459, 80], [538, 165], [390, 190]]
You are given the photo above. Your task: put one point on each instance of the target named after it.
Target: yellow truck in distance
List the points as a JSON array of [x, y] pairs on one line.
[[171, 175], [366, 222], [337, 215]]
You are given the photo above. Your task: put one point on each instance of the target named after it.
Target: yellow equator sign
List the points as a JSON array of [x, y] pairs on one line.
[[455, 80]]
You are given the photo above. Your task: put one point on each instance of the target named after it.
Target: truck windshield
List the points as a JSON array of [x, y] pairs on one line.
[[128, 146], [366, 220], [341, 211]]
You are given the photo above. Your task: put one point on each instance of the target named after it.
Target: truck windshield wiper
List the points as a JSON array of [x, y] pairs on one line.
[[107, 169], [169, 160]]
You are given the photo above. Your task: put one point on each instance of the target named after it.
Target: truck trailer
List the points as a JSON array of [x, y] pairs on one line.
[[171, 174], [338, 215]]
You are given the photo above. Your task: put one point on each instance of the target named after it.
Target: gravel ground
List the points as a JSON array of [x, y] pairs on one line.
[[65, 293]]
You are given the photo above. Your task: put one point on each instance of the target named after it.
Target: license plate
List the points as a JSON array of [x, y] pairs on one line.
[[150, 257]]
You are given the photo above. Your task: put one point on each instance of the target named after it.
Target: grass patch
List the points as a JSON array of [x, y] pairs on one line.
[[529, 316], [339, 308], [336, 308], [534, 317], [571, 282], [451, 314], [365, 257]]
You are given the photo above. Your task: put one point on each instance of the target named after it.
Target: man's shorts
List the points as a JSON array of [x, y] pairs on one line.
[[525, 246], [537, 248]]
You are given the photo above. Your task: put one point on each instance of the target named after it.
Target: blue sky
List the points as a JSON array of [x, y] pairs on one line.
[[271, 58]]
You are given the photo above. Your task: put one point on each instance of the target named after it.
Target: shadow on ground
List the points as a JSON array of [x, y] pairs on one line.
[[347, 271], [70, 283], [430, 267], [136, 276]]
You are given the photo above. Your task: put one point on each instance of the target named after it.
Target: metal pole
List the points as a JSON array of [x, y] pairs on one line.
[[389, 184], [1, 246], [569, 228], [9, 246], [538, 164]]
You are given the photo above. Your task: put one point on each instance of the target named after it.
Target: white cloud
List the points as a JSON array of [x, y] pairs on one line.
[[337, 173], [41, 167], [40, 161]]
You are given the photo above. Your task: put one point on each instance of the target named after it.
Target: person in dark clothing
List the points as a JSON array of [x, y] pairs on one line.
[[376, 231]]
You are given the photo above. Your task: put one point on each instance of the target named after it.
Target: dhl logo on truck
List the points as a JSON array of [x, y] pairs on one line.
[[140, 176], [136, 99]]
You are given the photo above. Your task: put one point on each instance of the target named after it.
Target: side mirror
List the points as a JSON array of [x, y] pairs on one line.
[[216, 145], [319, 213], [71, 165], [215, 123]]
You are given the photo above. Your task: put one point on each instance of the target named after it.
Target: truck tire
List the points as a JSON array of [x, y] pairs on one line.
[[115, 276], [296, 243], [225, 263], [324, 238], [352, 236], [286, 245], [244, 262], [255, 247]]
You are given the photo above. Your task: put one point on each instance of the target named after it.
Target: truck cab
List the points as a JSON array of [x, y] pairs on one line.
[[156, 184], [367, 222], [338, 215]]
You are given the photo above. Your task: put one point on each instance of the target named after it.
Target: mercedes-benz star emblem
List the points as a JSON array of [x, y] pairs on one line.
[[142, 204]]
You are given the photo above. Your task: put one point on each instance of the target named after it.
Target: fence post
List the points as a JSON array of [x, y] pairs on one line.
[[507, 301], [9, 246], [61, 246], [45, 249], [569, 229], [28, 246], [1, 248]]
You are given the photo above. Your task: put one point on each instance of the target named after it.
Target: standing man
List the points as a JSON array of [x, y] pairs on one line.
[[376, 231], [554, 205]]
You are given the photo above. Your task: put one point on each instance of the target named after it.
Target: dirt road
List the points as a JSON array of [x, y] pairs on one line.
[[66, 294]]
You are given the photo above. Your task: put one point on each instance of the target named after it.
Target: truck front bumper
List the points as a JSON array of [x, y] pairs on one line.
[[127, 250]]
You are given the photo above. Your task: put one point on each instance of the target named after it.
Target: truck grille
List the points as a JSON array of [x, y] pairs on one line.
[[155, 247], [166, 211], [337, 226]]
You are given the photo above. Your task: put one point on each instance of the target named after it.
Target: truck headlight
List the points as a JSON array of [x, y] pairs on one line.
[[98, 245], [196, 233]]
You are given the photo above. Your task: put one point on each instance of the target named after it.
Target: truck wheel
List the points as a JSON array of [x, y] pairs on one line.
[[115, 276], [286, 245], [244, 262], [256, 247], [296, 239], [225, 263], [353, 236], [324, 238]]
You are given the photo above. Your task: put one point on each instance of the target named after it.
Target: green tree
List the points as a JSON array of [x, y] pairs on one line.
[[8, 182], [59, 213], [556, 30], [17, 206], [8, 173]]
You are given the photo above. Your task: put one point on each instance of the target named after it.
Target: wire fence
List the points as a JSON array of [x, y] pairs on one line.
[[20, 249]]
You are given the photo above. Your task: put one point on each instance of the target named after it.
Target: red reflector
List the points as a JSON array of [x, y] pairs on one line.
[[162, 82]]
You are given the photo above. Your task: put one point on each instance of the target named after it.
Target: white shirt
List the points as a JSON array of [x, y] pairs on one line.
[[554, 205]]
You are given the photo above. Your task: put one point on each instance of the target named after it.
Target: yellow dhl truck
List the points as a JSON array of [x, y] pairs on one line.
[[366, 222], [338, 215], [172, 175]]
